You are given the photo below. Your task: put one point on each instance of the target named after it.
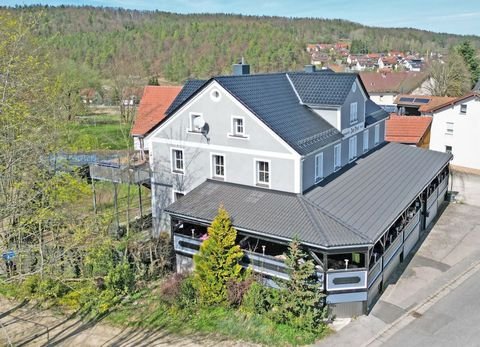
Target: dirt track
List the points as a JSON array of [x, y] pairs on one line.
[[23, 325]]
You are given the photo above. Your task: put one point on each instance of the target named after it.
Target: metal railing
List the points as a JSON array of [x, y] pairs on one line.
[[392, 249], [346, 280], [411, 225], [375, 271]]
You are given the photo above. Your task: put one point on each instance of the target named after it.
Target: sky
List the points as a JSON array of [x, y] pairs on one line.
[[451, 16]]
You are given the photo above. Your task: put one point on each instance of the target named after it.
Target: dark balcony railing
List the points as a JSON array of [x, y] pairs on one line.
[[375, 271], [346, 280], [262, 264]]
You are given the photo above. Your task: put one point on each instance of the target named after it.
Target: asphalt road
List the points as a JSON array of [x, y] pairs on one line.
[[453, 321]]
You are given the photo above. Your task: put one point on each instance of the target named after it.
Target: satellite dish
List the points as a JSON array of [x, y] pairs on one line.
[[199, 122]]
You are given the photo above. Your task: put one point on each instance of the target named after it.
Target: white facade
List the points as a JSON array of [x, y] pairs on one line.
[[383, 98], [456, 128]]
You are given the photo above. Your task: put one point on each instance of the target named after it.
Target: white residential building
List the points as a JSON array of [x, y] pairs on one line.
[[456, 129]]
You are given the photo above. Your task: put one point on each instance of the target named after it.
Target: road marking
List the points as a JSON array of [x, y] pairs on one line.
[[420, 309]]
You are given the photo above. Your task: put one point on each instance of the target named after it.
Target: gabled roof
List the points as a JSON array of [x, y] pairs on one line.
[[453, 102], [273, 100], [407, 129], [393, 82], [323, 88], [190, 88], [279, 99], [154, 103], [272, 213]]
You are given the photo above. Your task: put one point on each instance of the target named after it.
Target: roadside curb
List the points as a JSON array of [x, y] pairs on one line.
[[419, 309]]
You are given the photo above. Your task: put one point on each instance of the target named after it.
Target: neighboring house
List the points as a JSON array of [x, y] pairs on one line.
[[456, 129], [387, 62], [415, 105], [409, 130], [384, 87], [413, 64], [320, 58], [151, 110], [294, 155]]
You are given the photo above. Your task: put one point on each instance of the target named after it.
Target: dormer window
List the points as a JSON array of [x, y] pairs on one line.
[[353, 113]]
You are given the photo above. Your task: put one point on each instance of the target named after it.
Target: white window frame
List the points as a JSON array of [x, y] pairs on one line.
[[191, 129], [377, 134], [319, 168], [449, 128], [213, 166], [463, 108], [173, 161], [365, 141], [256, 173], [233, 131], [353, 112], [352, 148], [337, 158]]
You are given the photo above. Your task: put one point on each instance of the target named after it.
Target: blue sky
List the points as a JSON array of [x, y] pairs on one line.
[[452, 16]]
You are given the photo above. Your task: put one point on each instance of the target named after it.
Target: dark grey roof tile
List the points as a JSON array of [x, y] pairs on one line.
[[370, 193], [272, 213], [190, 87]]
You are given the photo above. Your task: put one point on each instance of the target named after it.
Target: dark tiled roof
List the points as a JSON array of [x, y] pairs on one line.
[[352, 207], [370, 193], [374, 113], [190, 87], [272, 213], [322, 88], [272, 98]]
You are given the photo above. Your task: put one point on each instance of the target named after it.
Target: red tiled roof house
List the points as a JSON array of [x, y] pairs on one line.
[[154, 103]]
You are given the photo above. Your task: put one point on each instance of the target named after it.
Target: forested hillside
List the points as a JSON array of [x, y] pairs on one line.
[[175, 47]]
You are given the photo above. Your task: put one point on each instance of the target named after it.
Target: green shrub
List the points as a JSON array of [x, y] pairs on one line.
[[218, 261], [120, 279], [187, 296]]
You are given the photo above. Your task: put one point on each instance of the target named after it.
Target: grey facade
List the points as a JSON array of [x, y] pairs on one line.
[[267, 147]]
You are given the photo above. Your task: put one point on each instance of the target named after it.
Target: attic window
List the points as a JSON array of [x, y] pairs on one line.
[[463, 108], [354, 87], [215, 95]]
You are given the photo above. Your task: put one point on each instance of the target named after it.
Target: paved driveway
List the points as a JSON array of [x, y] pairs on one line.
[[431, 297]]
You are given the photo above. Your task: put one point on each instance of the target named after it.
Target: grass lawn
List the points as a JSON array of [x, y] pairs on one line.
[[99, 132]]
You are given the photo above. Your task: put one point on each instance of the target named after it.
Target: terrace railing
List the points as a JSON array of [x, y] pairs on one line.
[[392, 249], [375, 271], [411, 225], [346, 280], [262, 264]]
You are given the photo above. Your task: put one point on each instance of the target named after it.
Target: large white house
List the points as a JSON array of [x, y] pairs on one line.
[[456, 129], [294, 155]]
